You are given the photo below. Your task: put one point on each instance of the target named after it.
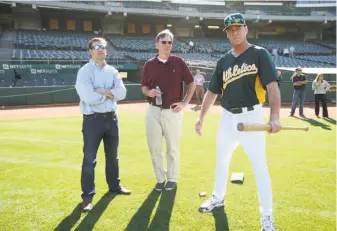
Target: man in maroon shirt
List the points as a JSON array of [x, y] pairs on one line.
[[168, 72]]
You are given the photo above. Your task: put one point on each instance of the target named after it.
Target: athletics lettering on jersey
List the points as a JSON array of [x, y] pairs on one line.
[[230, 76], [242, 81]]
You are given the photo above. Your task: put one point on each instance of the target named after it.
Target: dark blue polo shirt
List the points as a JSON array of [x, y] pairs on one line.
[[298, 79]]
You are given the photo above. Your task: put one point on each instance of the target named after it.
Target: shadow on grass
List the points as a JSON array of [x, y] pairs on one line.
[[141, 218], [68, 222], [93, 216], [161, 220], [315, 123], [220, 217], [330, 120]]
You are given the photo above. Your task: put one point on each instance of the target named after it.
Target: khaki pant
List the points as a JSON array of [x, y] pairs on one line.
[[164, 123]]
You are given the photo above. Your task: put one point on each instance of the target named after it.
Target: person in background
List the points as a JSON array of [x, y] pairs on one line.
[[299, 81], [199, 81], [320, 87]]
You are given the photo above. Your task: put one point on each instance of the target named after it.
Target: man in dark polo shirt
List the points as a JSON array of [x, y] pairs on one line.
[[242, 77], [299, 82], [168, 72]]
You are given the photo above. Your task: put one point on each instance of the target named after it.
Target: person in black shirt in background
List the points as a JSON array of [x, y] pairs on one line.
[[299, 82]]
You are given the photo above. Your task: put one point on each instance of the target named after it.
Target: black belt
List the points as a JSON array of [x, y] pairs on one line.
[[239, 109], [162, 106], [104, 114]]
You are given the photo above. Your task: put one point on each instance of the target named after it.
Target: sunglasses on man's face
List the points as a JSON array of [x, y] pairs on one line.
[[98, 47], [168, 42]]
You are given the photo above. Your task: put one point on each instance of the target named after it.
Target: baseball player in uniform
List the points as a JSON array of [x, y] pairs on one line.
[[242, 77]]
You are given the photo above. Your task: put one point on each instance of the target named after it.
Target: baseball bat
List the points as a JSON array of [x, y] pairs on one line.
[[254, 127]]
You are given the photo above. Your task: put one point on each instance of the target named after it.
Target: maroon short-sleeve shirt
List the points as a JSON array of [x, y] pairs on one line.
[[169, 76]]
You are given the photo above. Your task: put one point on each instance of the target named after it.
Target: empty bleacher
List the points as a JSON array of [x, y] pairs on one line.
[[300, 47], [29, 39], [210, 60], [23, 54], [137, 43], [132, 43], [68, 46], [36, 45], [328, 43], [87, 2], [330, 59], [221, 45]]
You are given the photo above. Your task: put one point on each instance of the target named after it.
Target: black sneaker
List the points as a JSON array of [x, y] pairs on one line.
[[160, 186], [170, 185]]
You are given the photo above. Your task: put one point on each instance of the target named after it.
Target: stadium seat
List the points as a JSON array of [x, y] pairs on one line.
[[31, 39]]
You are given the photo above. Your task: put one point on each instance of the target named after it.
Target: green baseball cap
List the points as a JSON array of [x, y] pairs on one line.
[[234, 19]]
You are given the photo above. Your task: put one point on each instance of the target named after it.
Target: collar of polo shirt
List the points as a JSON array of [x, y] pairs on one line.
[[158, 61]]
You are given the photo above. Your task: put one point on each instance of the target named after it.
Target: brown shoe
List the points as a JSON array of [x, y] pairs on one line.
[[87, 205], [122, 191]]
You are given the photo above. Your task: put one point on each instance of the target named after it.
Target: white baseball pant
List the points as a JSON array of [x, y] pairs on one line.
[[254, 145]]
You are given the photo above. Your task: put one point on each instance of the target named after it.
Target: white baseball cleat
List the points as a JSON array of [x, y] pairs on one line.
[[267, 222], [211, 204]]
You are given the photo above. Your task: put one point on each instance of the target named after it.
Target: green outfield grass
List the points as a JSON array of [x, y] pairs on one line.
[[40, 162]]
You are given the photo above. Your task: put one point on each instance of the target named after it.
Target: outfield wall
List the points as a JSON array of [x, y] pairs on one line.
[[67, 94]]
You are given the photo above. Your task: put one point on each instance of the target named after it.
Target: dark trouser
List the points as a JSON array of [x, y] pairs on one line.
[[322, 98], [95, 128], [199, 93], [298, 95]]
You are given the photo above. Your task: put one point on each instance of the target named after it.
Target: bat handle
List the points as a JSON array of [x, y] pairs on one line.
[[253, 127]]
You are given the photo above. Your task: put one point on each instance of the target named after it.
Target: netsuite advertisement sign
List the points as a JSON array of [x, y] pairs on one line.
[[54, 68]]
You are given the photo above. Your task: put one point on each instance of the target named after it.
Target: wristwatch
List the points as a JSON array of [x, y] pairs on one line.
[[185, 101]]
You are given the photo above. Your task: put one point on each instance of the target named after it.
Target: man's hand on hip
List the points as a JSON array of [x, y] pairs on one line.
[[178, 106]]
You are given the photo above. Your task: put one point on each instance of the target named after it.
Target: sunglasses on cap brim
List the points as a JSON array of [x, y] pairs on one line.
[[98, 47]]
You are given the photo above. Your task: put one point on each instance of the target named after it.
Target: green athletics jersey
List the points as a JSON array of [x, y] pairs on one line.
[[242, 80]]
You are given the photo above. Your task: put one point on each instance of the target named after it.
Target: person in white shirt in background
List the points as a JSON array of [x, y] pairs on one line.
[[291, 50], [320, 87], [199, 81]]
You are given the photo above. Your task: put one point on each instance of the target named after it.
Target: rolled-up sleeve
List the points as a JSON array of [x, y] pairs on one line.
[[118, 90], [85, 89]]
